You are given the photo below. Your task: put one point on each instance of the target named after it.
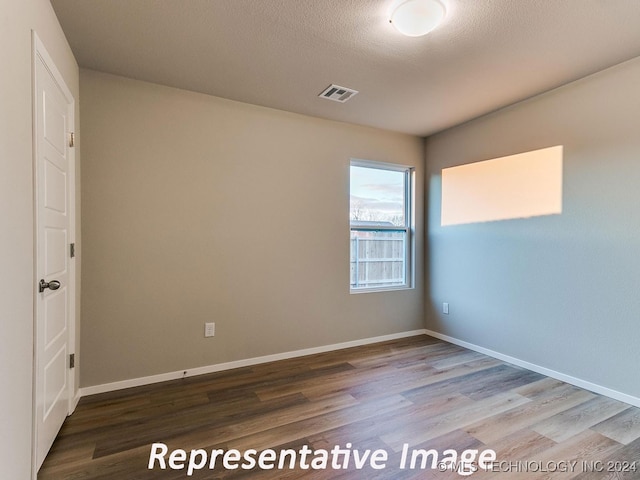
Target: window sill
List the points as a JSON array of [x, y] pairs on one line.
[[379, 289]]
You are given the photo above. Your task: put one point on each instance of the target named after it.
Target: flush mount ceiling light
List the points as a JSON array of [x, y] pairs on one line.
[[415, 18]]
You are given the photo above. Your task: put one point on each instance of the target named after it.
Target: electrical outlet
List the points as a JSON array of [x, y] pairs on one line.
[[445, 308], [209, 329]]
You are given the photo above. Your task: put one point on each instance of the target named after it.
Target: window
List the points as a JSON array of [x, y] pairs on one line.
[[380, 214]]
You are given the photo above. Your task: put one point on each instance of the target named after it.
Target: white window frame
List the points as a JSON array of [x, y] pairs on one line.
[[408, 227]]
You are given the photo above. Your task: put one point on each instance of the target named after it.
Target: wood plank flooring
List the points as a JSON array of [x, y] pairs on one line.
[[418, 391]]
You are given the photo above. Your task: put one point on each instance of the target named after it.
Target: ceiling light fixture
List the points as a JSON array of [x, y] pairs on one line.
[[415, 18]]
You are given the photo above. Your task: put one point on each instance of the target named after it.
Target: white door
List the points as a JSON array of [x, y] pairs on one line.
[[53, 117]]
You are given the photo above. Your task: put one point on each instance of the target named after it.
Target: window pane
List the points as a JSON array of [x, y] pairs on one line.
[[377, 197], [378, 258]]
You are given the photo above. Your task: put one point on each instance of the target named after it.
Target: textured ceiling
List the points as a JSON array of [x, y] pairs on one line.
[[283, 53]]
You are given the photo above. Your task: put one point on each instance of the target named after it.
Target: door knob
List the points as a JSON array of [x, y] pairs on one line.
[[52, 285]]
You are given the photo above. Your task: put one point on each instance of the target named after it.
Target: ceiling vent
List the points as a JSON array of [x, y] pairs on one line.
[[338, 93]]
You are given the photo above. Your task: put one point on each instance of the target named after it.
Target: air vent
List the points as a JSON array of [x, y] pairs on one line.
[[338, 93]]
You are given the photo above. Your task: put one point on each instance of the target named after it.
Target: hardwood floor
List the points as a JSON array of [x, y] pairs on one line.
[[418, 391]]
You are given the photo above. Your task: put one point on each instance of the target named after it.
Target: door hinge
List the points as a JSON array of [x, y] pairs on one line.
[[72, 250], [72, 139], [72, 360]]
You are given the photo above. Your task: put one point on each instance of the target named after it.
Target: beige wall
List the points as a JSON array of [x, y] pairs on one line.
[[201, 209], [17, 19], [559, 291]]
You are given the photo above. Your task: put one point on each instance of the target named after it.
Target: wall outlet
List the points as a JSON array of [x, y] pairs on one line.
[[445, 308], [209, 329]]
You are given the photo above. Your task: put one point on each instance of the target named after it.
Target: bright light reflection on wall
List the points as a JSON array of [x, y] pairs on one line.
[[518, 186]]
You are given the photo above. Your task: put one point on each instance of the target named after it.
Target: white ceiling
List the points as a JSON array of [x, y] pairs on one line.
[[283, 53]]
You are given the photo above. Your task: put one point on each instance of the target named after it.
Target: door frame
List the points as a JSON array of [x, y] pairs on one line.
[[40, 51]]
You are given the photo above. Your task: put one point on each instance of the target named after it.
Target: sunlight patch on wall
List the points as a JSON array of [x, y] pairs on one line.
[[517, 186]]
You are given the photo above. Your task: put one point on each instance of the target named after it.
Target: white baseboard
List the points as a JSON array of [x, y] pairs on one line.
[[607, 392], [76, 399], [163, 377], [136, 382]]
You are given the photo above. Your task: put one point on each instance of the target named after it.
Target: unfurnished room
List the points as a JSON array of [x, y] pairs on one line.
[[355, 239]]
